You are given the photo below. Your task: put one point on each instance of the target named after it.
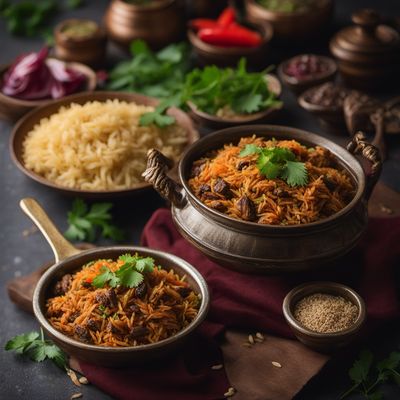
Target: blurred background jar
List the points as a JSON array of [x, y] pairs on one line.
[[80, 40], [158, 22]]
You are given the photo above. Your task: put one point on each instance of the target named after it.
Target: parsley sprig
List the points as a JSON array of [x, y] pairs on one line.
[[278, 162], [130, 274], [38, 349], [366, 379], [84, 222]]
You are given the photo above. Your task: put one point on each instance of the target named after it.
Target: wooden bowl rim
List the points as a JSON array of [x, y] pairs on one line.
[[306, 289], [81, 98]]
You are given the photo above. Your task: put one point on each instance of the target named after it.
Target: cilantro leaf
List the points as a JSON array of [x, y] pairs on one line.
[[278, 162], [250, 149], [84, 222], [248, 103], [145, 264], [37, 348], [295, 173], [361, 367], [127, 258], [129, 277], [20, 342], [100, 280]]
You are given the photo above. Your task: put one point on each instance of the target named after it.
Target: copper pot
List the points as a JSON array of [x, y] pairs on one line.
[[158, 23], [292, 26], [252, 247]]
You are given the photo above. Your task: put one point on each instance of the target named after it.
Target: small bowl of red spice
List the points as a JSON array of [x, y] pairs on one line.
[[306, 70], [225, 40], [324, 315]]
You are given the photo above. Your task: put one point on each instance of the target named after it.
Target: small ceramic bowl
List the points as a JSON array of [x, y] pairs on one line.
[[292, 26], [300, 85], [215, 122], [229, 56], [331, 117], [89, 48], [323, 342], [12, 108]]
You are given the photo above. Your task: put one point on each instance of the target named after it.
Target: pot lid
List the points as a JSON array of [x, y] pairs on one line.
[[368, 37]]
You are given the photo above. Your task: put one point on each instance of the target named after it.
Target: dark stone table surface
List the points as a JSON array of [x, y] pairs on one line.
[[23, 379]]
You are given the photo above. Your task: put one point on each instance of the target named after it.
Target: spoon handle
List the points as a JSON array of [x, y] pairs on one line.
[[61, 247]]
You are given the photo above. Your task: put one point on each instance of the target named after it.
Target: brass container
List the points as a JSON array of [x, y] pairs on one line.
[[368, 53], [256, 248], [158, 23], [292, 26], [90, 49]]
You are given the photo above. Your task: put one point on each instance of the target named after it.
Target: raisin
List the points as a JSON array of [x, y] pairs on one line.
[[246, 208]]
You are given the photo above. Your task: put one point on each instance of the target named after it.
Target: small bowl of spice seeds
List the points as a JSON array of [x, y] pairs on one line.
[[324, 315]]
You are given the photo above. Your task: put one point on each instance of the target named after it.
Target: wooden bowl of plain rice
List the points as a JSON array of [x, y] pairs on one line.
[[92, 145], [324, 315]]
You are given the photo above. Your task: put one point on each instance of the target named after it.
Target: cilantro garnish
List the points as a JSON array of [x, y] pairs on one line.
[[278, 162], [83, 222], [130, 274], [366, 379], [37, 348], [213, 88]]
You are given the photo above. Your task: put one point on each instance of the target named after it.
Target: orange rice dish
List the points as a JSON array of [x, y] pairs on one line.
[[233, 185], [161, 306]]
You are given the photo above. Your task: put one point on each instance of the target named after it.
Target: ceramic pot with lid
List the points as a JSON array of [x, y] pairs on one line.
[[260, 248], [159, 23], [368, 53]]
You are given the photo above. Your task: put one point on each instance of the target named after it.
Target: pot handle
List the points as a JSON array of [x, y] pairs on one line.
[[156, 174], [61, 247], [359, 145]]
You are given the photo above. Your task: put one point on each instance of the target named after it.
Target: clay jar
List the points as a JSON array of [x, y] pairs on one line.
[[368, 53], [159, 22]]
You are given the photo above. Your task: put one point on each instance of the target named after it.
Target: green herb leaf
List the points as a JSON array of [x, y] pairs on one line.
[[295, 173], [84, 222], [100, 280], [361, 367], [130, 273], [278, 162], [74, 4], [249, 150], [20, 342], [37, 349]]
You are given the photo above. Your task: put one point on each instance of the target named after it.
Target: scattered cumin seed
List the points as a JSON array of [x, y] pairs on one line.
[[76, 396], [260, 336], [83, 380], [276, 364], [217, 367], [251, 339], [73, 377], [385, 209], [246, 344], [231, 392]]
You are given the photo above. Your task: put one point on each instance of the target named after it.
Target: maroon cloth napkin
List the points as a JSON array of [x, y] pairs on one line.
[[250, 303]]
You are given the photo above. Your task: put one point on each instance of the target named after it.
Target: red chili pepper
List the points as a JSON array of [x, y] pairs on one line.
[[227, 17], [202, 23], [231, 37]]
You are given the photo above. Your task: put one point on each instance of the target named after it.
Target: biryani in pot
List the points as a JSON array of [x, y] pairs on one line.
[[98, 145], [276, 182], [125, 302]]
